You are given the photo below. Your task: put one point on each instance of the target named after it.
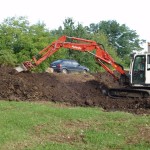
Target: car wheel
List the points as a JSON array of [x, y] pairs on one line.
[[64, 71]]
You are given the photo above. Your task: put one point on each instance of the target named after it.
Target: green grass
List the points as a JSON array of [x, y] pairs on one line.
[[48, 126]]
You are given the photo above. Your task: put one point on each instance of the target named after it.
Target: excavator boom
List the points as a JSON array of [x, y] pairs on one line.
[[79, 44]]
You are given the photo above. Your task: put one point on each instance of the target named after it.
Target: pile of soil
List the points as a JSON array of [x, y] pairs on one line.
[[72, 89]]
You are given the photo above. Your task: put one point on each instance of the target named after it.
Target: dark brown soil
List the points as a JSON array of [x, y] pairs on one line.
[[72, 89]]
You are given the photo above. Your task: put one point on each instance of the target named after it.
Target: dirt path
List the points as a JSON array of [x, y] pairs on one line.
[[75, 89]]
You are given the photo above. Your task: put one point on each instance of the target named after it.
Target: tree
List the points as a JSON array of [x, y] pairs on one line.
[[7, 58], [14, 33], [22, 40], [121, 37]]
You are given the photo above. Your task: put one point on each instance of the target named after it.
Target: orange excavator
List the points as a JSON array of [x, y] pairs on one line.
[[101, 56], [83, 45]]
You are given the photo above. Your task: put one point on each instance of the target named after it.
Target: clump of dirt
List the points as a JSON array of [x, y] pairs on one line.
[[75, 89]]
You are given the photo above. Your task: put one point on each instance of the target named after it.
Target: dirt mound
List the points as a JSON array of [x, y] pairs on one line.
[[75, 89]]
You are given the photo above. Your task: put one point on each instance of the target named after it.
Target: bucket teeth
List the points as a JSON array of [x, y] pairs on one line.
[[21, 68]]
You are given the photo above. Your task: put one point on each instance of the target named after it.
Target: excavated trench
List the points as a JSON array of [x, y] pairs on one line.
[[73, 89]]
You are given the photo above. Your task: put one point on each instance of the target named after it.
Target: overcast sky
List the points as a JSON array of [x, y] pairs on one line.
[[134, 13]]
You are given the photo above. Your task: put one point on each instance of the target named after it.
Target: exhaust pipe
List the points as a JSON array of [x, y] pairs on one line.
[[148, 47]]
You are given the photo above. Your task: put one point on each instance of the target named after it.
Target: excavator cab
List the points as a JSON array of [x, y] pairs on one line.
[[140, 70]]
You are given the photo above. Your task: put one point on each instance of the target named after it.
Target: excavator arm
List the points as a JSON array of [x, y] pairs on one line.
[[79, 44]]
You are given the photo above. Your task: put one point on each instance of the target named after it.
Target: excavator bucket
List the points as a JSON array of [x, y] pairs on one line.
[[21, 68]]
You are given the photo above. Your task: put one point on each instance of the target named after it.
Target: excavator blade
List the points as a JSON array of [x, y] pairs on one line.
[[21, 68]]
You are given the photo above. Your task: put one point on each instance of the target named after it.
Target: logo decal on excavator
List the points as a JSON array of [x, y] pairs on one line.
[[76, 47]]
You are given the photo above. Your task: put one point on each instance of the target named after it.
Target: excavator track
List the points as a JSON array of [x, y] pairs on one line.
[[128, 93]]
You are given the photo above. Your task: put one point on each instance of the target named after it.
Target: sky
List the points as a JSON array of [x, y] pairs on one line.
[[133, 13]]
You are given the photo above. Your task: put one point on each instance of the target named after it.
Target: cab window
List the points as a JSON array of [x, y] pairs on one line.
[[139, 63], [138, 75]]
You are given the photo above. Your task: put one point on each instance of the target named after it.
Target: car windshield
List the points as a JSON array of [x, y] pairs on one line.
[[57, 61]]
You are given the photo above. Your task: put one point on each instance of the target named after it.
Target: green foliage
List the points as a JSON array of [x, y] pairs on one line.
[[14, 34], [7, 58], [121, 37]]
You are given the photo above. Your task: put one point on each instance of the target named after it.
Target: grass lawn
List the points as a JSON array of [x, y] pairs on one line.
[[49, 126]]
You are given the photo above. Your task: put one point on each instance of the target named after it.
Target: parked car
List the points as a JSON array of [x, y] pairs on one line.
[[66, 66]]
